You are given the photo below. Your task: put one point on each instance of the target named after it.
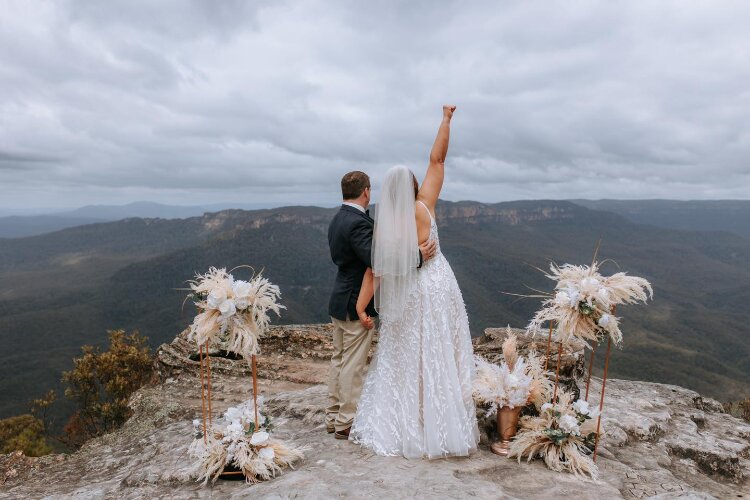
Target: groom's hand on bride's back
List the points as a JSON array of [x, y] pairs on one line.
[[428, 249]]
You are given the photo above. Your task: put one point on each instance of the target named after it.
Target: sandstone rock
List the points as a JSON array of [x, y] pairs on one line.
[[662, 442]]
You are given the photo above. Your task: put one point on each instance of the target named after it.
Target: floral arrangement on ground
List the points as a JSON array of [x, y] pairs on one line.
[[563, 434], [234, 443], [516, 382]]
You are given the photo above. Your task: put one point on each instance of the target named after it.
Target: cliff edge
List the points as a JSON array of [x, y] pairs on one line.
[[662, 441]]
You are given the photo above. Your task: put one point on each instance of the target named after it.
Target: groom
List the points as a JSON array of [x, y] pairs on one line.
[[350, 242]]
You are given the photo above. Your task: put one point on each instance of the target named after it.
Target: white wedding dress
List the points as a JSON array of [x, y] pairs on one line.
[[416, 400]]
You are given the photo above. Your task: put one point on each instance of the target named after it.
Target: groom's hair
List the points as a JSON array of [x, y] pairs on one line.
[[354, 184]]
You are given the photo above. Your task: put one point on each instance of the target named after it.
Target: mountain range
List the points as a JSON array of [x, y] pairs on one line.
[[17, 226], [64, 289]]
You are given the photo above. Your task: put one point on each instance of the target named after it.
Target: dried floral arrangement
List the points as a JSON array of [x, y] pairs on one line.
[[238, 311], [564, 435], [233, 442], [584, 300], [236, 308], [517, 381]]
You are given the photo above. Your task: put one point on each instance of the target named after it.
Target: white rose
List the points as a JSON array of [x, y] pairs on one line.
[[216, 297], [569, 424], [574, 296], [546, 406], [562, 299], [227, 308], [604, 320], [241, 288], [235, 429], [259, 438], [581, 406], [267, 453], [233, 414]]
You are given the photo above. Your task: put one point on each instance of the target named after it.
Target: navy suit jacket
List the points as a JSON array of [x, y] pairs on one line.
[[350, 242]]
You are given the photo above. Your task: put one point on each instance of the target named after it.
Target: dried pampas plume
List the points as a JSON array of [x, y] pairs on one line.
[[510, 348], [584, 300]]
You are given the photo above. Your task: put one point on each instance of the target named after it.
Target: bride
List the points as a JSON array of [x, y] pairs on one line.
[[416, 400]]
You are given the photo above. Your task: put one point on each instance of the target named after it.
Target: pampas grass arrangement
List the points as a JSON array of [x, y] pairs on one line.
[[236, 308], [584, 300], [563, 435], [239, 311], [517, 381], [234, 442]]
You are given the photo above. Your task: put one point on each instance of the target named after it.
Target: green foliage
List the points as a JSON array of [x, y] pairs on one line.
[[100, 384], [25, 433]]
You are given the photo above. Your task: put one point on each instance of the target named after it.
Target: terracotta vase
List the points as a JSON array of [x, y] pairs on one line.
[[507, 426]]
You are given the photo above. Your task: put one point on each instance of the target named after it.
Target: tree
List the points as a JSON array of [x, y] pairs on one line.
[[101, 383], [25, 433]]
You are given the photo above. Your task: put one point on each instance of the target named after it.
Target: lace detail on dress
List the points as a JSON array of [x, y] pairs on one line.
[[416, 400]]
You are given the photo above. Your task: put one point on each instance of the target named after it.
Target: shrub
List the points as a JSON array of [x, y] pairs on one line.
[[100, 383], [24, 433]]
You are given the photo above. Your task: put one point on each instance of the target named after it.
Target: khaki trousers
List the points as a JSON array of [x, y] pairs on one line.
[[351, 344]]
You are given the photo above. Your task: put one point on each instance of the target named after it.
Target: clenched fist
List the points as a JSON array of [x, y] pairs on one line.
[[448, 111]]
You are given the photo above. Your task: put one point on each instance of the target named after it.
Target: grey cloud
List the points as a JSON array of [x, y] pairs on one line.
[[204, 101]]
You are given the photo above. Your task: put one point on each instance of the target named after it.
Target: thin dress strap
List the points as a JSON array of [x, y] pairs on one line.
[[428, 210]]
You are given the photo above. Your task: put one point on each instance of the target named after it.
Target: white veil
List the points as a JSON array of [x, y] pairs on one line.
[[395, 250]]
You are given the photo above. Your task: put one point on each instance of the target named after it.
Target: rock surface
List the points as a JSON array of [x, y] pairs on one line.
[[662, 441]]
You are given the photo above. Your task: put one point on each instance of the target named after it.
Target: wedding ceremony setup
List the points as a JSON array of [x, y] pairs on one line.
[[320, 249], [535, 417]]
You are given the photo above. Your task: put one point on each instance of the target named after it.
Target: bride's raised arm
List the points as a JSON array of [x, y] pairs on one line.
[[433, 180]]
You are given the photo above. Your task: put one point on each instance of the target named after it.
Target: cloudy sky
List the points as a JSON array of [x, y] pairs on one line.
[[247, 102]]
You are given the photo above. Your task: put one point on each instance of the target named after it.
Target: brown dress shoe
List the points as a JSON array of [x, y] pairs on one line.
[[344, 434]]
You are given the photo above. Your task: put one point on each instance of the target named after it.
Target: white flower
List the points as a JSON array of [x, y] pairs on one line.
[[581, 406], [259, 438], [227, 308], [546, 406], [562, 299], [216, 297], [267, 453], [574, 296], [604, 320], [603, 294], [196, 423], [241, 290], [589, 282], [569, 424], [233, 432], [233, 414]]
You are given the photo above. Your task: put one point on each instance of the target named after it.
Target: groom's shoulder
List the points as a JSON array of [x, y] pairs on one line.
[[348, 218]]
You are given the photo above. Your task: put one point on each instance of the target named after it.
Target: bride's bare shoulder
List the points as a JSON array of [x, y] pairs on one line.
[[423, 222]]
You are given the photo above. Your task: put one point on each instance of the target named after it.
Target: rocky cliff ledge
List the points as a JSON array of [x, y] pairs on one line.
[[662, 441]]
